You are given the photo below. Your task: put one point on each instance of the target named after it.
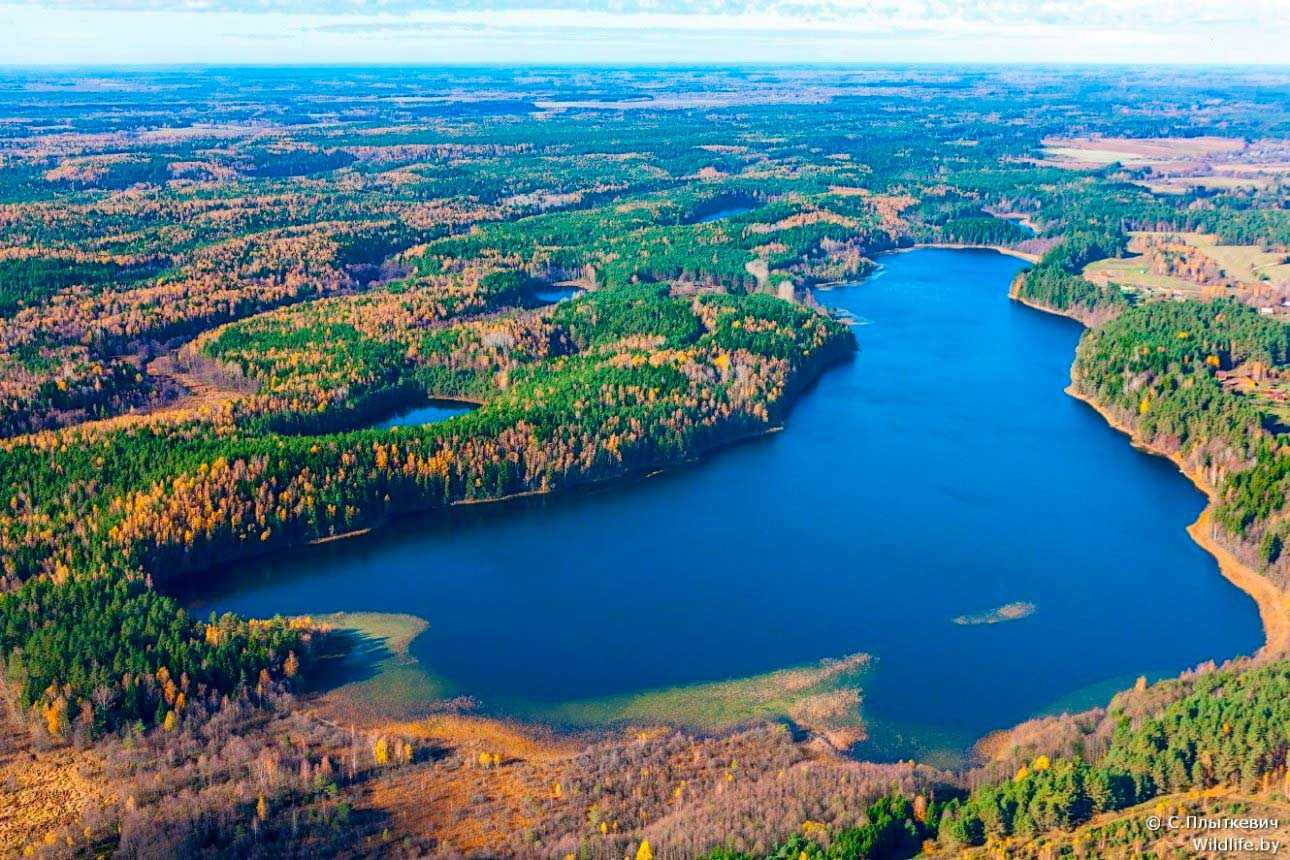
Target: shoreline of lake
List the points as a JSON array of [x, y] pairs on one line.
[[959, 246], [1272, 602], [797, 384]]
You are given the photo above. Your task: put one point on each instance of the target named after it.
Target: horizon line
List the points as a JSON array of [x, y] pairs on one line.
[[644, 64]]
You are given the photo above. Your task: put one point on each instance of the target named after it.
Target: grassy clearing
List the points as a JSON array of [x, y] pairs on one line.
[[1183, 184], [1140, 151], [1245, 267], [1075, 155], [1134, 274], [1246, 263]]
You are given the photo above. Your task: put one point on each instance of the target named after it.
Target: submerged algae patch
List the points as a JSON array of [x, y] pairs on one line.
[[823, 697]]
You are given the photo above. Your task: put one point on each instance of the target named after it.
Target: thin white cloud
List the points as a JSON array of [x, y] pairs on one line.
[[1136, 14], [625, 31]]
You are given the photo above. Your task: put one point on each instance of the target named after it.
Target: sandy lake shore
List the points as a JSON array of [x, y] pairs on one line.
[[1002, 249], [1273, 603]]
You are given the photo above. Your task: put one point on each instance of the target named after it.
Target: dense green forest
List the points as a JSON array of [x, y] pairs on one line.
[[1057, 281], [95, 653], [1223, 728]]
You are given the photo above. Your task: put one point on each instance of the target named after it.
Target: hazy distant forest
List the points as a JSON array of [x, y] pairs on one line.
[[213, 281]]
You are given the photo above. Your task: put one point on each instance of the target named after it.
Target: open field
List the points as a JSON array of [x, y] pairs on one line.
[[1262, 180], [1139, 151], [1134, 274], [1246, 263], [1179, 165], [1169, 265]]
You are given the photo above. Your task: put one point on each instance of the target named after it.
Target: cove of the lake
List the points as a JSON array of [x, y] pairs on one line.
[[938, 475]]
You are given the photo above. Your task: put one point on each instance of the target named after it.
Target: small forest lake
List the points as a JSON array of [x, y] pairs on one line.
[[941, 474], [428, 413]]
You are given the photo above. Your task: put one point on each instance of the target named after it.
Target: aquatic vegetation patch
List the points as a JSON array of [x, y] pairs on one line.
[[1007, 612], [824, 697], [363, 667]]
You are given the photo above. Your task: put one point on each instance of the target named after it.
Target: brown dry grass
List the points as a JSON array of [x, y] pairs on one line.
[[541, 792], [511, 740], [44, 792], [454, 801], [493, 787], [465, 807], [202, 398]]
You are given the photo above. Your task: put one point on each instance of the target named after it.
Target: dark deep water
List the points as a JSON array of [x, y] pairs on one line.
[[943, 472]]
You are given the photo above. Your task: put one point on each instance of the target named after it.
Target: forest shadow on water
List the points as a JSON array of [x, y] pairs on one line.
[[941, 474]]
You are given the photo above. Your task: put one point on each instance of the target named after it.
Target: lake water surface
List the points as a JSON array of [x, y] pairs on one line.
[[552, 294], [942, 472], [722, 214], [428, 413]]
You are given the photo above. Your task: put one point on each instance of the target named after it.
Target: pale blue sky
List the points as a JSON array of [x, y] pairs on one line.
[[651, 31]]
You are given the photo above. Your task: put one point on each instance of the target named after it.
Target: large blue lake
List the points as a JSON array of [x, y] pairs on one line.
[[940, 473]]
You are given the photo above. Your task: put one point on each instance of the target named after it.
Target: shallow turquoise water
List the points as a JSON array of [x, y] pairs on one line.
[[941, 472]]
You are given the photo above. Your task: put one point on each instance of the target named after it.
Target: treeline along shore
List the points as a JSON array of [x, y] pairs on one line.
[[1152, 371]]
